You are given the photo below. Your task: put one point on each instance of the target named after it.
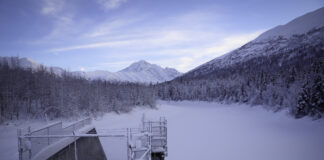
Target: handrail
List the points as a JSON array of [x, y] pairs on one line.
[[52, 133], [48, 126], [82, 120], [76, 135]]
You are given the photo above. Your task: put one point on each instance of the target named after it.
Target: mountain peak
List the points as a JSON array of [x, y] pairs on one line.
[[143, 71], [142, 62], [139, 66]]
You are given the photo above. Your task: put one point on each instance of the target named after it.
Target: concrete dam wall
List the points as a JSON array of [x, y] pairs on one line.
[[88, 148]]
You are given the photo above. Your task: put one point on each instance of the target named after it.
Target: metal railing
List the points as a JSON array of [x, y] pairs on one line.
[[153, 140], [141, 142], [32, 142]]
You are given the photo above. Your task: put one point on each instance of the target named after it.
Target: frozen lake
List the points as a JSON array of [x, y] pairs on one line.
[[199, 130]]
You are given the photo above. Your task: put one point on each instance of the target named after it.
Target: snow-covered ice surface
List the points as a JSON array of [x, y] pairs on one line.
[[201, 130]]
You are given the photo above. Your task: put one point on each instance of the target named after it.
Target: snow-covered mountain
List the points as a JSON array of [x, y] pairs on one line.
[[28, 63], [300, 25], [21, 62], [140, 71], [274, 41], [283, 67]]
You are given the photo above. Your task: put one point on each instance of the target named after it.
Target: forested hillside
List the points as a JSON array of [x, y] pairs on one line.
[[26, 93], [289, 72]]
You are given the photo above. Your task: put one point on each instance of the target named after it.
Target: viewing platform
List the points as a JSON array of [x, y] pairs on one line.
[[81, 141]]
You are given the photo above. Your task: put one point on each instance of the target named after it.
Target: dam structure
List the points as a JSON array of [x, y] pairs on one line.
[[83, 141]]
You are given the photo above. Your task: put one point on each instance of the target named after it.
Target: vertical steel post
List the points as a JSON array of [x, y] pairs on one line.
[[19, 144], [160, 128], [48, 139], [127, 145], [150, 147], [130, 133], [29, 149], [166, 137], [75, 148]]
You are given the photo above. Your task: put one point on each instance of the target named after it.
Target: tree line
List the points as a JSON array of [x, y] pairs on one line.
[[27, 93]]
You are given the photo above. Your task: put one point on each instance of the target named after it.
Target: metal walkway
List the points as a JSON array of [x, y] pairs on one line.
[[146, 143]]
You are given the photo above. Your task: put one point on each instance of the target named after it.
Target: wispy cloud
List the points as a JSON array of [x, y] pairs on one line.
[[92, 45], [229, 43], [183, 45], [60, 22], [52, 7], [181, 58], [110, 26], [152, 40], [111, 4], [191, 57]]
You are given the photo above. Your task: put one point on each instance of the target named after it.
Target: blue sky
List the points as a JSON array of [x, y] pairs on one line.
[[111, 34]]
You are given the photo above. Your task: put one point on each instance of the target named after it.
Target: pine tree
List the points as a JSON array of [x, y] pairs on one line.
[[317, 98], [311, 99], [303, 103]]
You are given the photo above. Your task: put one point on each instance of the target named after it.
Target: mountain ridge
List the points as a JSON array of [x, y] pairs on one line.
[[299, 25], [263, 43], [140, 71]]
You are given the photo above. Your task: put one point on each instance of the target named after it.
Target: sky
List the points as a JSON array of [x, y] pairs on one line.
[[109, 35]]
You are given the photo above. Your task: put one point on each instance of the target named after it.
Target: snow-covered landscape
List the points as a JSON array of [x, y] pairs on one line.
[[202, 130], [161, 80]]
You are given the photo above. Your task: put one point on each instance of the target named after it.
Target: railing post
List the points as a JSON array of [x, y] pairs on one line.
[[19, 144], [131, 135], [48, 139], [75, 148], [161, 127], [29, 149], [127, 145], [150, 147], [166, 137]]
